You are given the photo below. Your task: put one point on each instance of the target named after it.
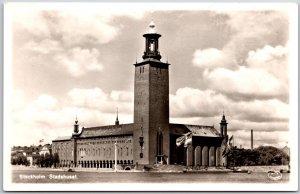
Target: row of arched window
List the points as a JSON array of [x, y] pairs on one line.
[[105, 152]]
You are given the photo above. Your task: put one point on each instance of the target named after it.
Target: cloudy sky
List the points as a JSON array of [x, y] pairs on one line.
[[77, 60]]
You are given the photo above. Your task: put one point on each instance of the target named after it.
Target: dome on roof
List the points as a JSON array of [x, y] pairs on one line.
[[151, 28]]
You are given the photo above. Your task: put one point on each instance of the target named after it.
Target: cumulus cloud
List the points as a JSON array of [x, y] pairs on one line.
[[78, 61], [269, 110], [46, 118], [44, 46], [122, 96], [95, 98], [265, 75], [211, 58], [44, 102], [254, 61], [190, 102], [18, 99], [236, 124], [272, 59], [64, 37], [87, 97], [260, 138], [245, 73], [255, 29], [245, 82], [64, 26], [91, 26]]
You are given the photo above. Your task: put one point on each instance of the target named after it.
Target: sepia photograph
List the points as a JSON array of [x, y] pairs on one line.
[[150, 97]]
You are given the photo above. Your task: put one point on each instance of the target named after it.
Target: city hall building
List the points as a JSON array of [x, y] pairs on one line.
[[151, 138]]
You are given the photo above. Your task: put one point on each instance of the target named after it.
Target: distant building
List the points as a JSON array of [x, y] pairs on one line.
[[32, 158], [151, 138], [32, 153], [46, 149], [286, 150]]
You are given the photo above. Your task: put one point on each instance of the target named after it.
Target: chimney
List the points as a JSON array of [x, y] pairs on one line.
[[251, 139]]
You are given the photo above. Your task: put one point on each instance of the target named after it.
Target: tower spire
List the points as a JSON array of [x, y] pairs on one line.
[[117, 119]]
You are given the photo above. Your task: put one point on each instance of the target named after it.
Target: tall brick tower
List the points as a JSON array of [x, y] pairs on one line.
[[151, 104]]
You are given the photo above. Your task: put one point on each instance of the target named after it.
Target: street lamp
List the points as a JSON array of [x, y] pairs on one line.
[[141, 141], [116, 149], [116, 156]]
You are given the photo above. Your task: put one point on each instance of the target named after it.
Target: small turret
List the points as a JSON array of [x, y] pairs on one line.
[[76, 126], [223, 126], [151, 46], [117, 119]]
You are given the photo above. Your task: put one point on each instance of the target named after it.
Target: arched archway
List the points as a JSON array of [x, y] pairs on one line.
[[159, 146], [205, 156], [127, 168], [197, 155], [212, 156]]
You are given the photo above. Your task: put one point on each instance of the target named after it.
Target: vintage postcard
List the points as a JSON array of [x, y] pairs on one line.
[[150, 97]]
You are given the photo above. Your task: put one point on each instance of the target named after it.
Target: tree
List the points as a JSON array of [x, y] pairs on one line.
[[19, 159], [263, 155], [48, 160], [55, 159], [42, 160]]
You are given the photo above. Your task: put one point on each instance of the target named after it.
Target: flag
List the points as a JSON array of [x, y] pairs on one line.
[[186, 139], [229, 142], [227, 145], [225, 151], [180, 140], [42, 140]]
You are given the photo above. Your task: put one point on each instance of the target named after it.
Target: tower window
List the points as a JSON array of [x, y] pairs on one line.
[[159, 142]]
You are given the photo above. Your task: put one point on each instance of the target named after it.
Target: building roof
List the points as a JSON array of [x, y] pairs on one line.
[[127, 129], [110, 130], [197, 130], [61, 138], [46, 148], [153, 62]]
